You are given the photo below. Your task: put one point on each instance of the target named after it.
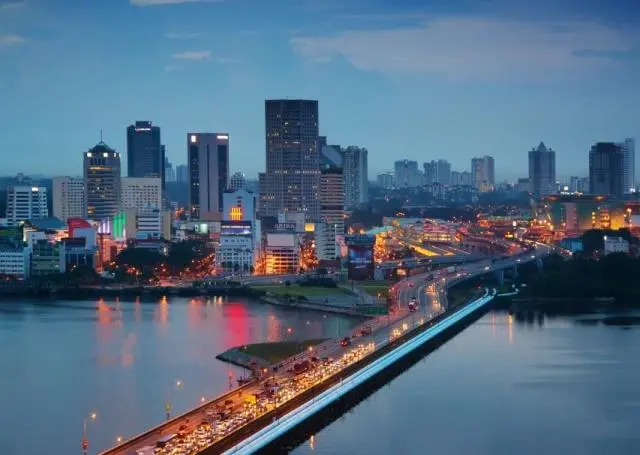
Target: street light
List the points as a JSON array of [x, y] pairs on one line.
[[167, 404], [91, 417]]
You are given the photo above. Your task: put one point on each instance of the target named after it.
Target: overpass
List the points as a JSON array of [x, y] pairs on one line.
[[233, 424]]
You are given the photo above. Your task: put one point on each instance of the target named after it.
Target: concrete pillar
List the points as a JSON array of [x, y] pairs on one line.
[[500, 276]]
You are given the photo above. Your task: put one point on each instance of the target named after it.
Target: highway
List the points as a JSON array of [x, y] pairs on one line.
[[215, 421]]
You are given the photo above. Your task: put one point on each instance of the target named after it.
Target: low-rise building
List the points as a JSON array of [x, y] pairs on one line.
[[615, 245], [45, 258], [74, 253], [14, 261], [282, 254]]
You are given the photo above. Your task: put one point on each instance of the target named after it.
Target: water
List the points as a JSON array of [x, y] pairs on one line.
[[62, 360], [503, 386]]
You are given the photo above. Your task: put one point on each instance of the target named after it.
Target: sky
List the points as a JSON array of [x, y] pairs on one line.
[[413, 79]]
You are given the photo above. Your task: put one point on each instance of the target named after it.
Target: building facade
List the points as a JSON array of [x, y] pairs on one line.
[[102, 182], [483, 172], [68, 198], [629, 165], [332, 203], [606, 170], [237, 181], [355, 176], [542, 171], [182, 173], [292, 177], [406, 174], [141, 193], [14, 261], [26, 203], [145, 153], [208, 161]]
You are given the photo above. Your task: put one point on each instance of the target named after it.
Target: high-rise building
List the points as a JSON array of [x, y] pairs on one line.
[[182, 173], [542, 171], [606, 170], [141, 193], [443, 172], [429, 173], [330, 155], [483, 172], [292, 178], [406, 174], [169, 171], [101, 182], [237, 181], [356, 176], [385, 180], [208, 160], [145, 153], [68, 198], [332, 203], [629, 164], [26, 203]]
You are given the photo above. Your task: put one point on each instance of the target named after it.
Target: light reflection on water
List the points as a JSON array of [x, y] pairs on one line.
[[522, 383], [62, 360]]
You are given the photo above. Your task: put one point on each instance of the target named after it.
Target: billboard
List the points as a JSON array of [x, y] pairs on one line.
[[360, 256], [281, 240], [235, 228]]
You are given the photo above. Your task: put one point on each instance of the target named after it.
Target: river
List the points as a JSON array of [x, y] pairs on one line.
[[63, 360], [505, 385]]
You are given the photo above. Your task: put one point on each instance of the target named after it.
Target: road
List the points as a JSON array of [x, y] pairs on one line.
[[384, 329]]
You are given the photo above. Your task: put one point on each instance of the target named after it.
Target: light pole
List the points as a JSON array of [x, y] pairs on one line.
[[92, 417], [167, 404]]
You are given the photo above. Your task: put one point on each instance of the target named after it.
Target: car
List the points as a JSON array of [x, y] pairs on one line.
[[346, 341]]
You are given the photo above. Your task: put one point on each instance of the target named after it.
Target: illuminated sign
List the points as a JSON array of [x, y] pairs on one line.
[[285, 227], [89, 155], [105, 154], [202, 228], [309, 227], [143, 129], [194, 138], [35, 189], [236, 214], [235, 228], [223, 137]]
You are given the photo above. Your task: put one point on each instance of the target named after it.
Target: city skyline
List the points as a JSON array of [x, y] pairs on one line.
[[504, 102]]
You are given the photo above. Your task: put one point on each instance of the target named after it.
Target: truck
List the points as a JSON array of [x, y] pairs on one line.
[[413, 305]]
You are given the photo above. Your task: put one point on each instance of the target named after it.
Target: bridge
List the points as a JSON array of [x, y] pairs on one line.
[[254, 415]]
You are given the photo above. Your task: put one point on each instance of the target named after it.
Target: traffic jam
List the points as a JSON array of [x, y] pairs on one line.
[[226, 417]]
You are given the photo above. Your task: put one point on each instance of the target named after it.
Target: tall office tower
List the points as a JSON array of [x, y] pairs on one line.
[[141, 193], [68, 198], [606, 170], [429, 172], [330, 155], [169, 171], [145, 154], [629, 152], [237, 182], [356, 176], [101, 182], [26, 203], [292, 178], [208, 161], [483, 172], [465, 178], [443, 172], [332, 204], [182, 173], [542, 171], [574, 183], [385, 180], [406, 174]]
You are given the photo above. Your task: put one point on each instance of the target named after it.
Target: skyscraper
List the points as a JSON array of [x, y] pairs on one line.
[[101, 182], [356, 176], [542, 170], [141, 193], [406, 174], [629, 164], [145, 154], [483, 172], [237, 182], [443, 172], [292, 177], [606, 170], [182, 173], [169, 171], [208, 161], [26, 203], [332, 203], [68, 198]]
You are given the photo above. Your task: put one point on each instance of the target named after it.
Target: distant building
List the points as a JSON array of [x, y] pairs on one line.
[[385, 180], [332, 200], [523, 185], [145, 153], [282, 254], [68, 198], [14, 261], [429, 172], [45, 258], [74, 253], [208, 155], [149, 223], [25, 203], [615, 245], [483, 173], [330, 155], [169, 171], [606, 170], [182, 173], [101, 182], [141, 193], [237, 182], [542, 171], [356, 176], [629, 165], [406, 174]]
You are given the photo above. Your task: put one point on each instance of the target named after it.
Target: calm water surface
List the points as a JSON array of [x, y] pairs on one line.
[[505, 386], [62, 360]]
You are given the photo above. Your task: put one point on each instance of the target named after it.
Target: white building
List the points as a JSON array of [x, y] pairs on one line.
[[141, 193], [14, 261], [239, 233], [615, 245], [68, 198], [26, 203], [239, 205], [148, 223]]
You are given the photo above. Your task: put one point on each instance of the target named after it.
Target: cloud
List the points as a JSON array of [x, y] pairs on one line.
[[182, 35], [193, 55], [11, 5], [170, 68], [471, 48], [143, 3], [11, 40]]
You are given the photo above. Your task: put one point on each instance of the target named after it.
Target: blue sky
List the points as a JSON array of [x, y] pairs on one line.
[[404, 78]]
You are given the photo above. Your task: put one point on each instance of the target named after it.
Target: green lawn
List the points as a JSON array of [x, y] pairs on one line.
[[278, 351], [460, 295], [376, 287], [295, 290]]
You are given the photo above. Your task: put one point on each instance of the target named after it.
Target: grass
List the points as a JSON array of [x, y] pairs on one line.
[[376, 287], [280, 350], [460, 295], [295, 290]]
